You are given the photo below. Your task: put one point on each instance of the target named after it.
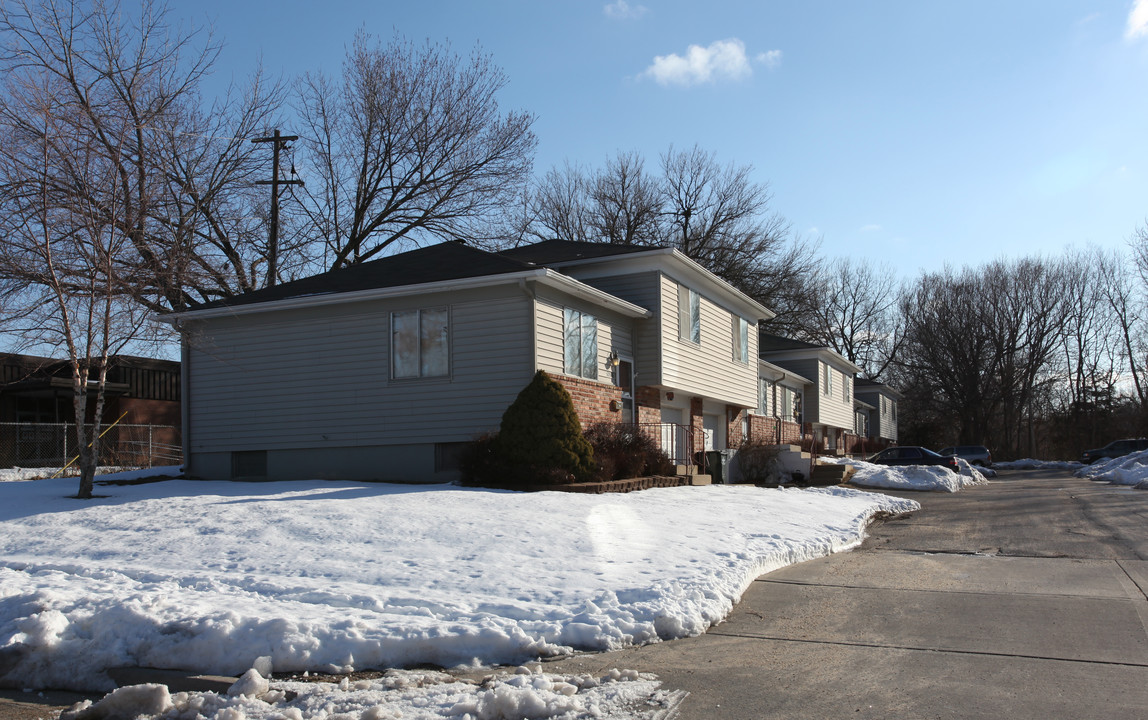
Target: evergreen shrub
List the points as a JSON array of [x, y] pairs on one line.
[[540, 438]]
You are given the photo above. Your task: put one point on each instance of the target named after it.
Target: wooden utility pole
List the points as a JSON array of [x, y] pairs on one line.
[[279, 142]]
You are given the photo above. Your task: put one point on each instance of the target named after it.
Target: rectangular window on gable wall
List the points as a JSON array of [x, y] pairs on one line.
[[764, 390], [580, 333], [420, 343], [689, 315], [845, 387], [828, 380], [740, 339]]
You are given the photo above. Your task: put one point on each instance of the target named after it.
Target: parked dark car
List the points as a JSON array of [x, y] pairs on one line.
[[974, 454], [914, 455], [1116, 448]]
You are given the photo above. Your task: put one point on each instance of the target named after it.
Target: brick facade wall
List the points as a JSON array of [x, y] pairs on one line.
[[763, 429], [697, 424], [592, 400], [649, 401], [735, 416]]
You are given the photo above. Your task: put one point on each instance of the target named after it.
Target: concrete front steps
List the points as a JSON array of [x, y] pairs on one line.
[[691, 472], [830, 474]]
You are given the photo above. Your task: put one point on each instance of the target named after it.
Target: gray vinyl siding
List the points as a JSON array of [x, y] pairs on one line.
[[708, 368], [320, 377], [882, 424], [613, 333], [642, 289], [821, 408], [811, 395]]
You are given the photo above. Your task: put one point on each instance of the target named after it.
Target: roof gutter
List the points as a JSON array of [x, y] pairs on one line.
[[543, 276], [732, 293]]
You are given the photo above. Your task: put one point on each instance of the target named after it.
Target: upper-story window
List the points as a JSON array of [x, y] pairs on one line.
[[893, 410], [828, 380], [740, 339], [764, 396], [581, 343], [420, 343], [689, 315], [845, 387]]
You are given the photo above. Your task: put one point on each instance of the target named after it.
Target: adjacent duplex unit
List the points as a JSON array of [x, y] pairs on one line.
[[827, 413], [880, 411], [385, 370]]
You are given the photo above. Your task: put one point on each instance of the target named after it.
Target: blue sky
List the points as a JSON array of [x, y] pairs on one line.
[[916, 133]]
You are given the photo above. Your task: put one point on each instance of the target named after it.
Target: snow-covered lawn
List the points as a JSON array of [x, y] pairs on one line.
[[23, 474], [332, 576], [1131, 469]]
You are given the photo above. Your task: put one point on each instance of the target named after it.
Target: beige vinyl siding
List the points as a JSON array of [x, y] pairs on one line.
[[320, 377], [642, 289], [707, 368], [613, 333], [832, 409]]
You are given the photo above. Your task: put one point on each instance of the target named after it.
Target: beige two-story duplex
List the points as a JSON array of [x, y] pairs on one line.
[[384, 370], [827, 413]]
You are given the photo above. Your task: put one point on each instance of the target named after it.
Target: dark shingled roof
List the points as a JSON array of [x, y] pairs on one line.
[[444, 261], [768, 342], [555, 252]]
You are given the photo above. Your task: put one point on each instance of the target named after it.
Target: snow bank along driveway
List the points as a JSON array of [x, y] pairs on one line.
[[322, 575]]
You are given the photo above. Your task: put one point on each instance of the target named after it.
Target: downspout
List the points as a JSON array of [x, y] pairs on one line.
[[533, 325], [185, 399]]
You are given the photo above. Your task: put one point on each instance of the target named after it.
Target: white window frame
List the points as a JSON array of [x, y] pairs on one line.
[[740, 340], [422, 369], [579, 352], [828, 380], [689, 315], [845, 387], [764, 392]]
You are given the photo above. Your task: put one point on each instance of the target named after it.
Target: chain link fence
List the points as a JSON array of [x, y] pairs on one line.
[[35, 445]]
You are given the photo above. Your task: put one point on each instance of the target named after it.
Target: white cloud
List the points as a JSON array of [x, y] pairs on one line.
[[622, 10], [1137, 21], [872, 227], [722, 60], [771, 59]]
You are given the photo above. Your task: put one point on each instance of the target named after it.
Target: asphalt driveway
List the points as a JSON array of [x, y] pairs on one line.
[[1024, 598]]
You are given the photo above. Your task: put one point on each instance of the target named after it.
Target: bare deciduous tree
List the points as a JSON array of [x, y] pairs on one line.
[[851, 306], [716, 215], [119, 195], [64, 259], [1089, 341], [1126, 303], [127, 87], [983, 341], [409, 144]]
